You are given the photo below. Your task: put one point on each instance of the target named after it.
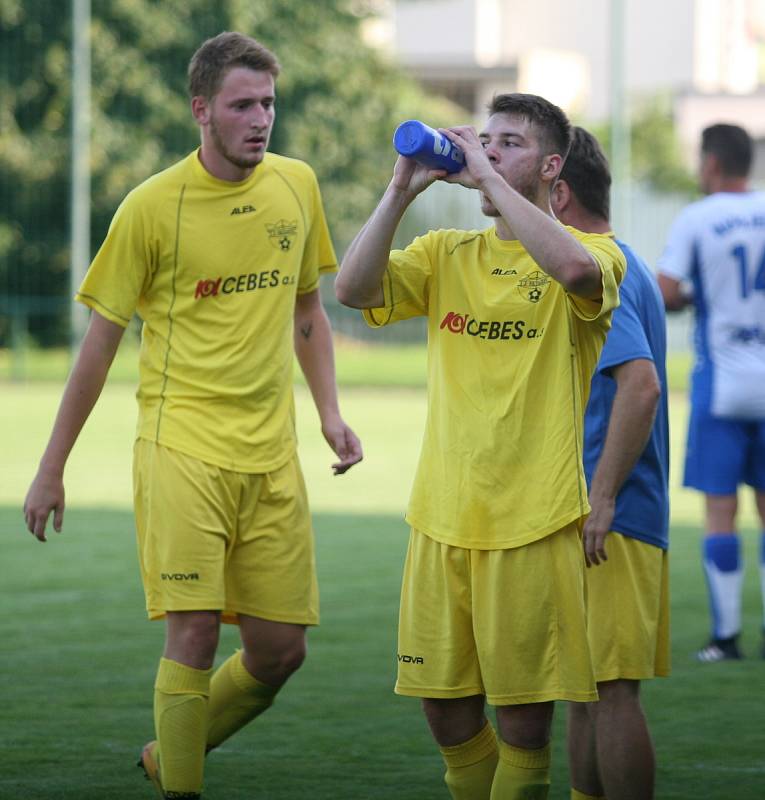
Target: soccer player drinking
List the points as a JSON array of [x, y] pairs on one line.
[[492, 605], [220, 255]]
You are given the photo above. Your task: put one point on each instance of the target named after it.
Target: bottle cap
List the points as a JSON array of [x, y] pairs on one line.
[[409, 137]]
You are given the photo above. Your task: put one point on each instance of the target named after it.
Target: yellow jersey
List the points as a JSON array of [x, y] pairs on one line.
[[510, 357], [213, 269]]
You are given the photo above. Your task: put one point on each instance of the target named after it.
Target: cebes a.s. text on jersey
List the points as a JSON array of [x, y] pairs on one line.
[[236, 284], [488, 329]]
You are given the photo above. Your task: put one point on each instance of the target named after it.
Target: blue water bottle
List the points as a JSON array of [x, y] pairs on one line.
[[427, 146]]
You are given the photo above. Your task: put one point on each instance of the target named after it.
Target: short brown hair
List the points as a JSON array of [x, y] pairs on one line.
[[587, 173], [216, 56], [731, 145], [550, 121]]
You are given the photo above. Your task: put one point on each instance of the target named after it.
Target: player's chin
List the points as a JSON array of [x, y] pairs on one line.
[[254, 160], [487, 207], [251, 159]]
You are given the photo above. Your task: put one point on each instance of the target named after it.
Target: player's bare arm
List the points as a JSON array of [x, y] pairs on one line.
[[638, 392], [315, 354], [359, 284], [675, 295], [46, 494], [555, 250]]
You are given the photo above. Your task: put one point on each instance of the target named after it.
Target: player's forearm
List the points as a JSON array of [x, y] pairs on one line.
[[315, 354], [629, 428], [553, 248], [80, 395], [359, 283]]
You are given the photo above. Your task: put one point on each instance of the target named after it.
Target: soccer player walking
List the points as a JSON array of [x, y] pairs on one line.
[[626, 460], [220, 255], [492, 605], [714, 260]]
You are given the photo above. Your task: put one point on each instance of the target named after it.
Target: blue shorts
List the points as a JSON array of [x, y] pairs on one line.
[[723, 453]]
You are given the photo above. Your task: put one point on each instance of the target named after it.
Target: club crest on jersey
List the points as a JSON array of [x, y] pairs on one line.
[[534, 287], [282, 234]]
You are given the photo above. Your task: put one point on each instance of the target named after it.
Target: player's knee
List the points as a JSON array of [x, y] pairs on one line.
[[617, 694], [274, 664], [203, 642], [453, 721], [192, 639], [292, 657], [526, 726]]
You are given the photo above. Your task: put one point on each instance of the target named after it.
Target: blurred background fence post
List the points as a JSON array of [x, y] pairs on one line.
[[80, 180]]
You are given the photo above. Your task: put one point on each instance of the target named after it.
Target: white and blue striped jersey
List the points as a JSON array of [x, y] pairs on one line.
[[718, 245]]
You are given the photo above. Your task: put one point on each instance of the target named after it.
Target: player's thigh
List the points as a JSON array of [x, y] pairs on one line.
[[436, 650], [529, 621], [185, 510], [628, 611], [717, 453], [271, 567]]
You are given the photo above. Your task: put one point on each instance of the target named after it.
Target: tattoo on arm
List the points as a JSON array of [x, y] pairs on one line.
[[306, 329]]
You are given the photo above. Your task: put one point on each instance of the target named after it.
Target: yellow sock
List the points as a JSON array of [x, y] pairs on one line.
[[577, 795], [180, 717], [236, 698], [470, 766], [521, 774]]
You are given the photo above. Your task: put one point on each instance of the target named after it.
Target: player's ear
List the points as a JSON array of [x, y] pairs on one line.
[[200, 108], [551, 167], [560, 196]]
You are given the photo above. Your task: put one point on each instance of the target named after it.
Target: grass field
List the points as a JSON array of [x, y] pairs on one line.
[[358, 364], [78, 660]]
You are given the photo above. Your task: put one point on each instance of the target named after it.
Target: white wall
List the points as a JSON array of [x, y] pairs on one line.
[[659, 38], [440, 31]]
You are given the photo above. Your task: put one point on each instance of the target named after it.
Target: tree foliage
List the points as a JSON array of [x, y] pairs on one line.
[[338, 102], [657, 156]]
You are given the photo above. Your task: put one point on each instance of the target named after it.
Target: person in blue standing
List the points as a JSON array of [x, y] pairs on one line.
[[714, 260], [626, 461]]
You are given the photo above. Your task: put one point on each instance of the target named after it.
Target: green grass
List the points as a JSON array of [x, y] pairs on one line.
[[77, 658], [78, 662], [357, 363]]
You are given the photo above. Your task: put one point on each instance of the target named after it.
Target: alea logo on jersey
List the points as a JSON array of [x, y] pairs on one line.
[[282, 234], [488, 329], [242, 210], [534, 287], [502, 272]]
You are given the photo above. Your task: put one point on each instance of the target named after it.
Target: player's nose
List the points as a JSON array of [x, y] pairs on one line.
[[260, 117]]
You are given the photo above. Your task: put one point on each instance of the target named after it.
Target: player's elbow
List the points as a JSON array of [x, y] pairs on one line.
[[344, 290], [582, 278], [353, 294]]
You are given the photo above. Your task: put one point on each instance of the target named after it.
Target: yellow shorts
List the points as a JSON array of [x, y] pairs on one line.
[[508, 624], [212, 539], [628, 611]]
